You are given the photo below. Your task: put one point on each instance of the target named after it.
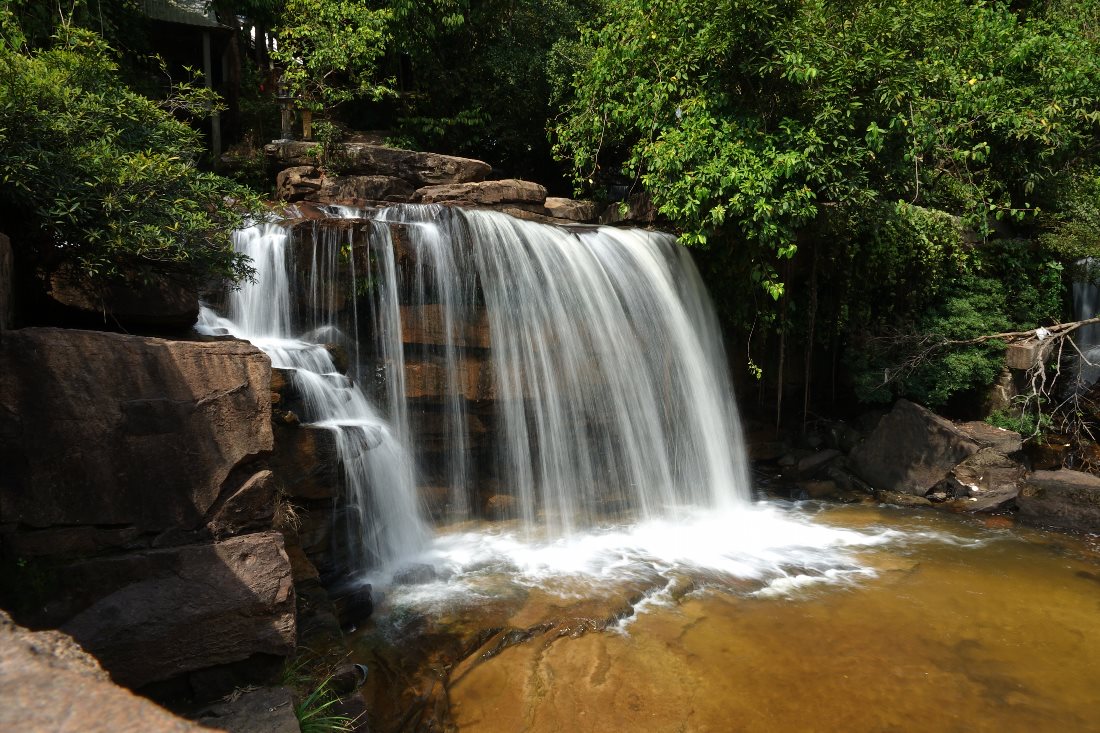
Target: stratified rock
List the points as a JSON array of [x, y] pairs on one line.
[[985, 482], [297, 182], [266, 710], [106, 429], [161, 613], [353, 189], [159, 303], [910, 451], [1064, 498], [48, 684], [311, 184], [419, 169], [426, 325], [486, 193], [570, 209]]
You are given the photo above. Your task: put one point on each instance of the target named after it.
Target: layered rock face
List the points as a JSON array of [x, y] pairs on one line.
[[375, 175], [135, 507]]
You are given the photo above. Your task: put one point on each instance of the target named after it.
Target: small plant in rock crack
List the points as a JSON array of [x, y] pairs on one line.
[[316, 712]]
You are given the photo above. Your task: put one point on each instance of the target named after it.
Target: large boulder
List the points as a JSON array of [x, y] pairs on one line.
[[570, 209], [48, 684], [308, 183], [486, 193], [132, 433], [1063, 498], [419, 169], [160, 303], [156, 614], [910, 451]]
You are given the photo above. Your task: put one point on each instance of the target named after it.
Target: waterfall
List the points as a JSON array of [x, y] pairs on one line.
[[589, 358], [1086, 304], [384, 516]]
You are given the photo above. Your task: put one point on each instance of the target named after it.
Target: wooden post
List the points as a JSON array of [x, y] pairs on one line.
[[307, 124], [207, 73]]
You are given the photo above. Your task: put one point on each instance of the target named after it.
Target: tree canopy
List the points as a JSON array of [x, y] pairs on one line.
[[901, 147], [98, 177]]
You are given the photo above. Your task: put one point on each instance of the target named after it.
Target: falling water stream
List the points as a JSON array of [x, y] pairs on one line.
[[589, 476]]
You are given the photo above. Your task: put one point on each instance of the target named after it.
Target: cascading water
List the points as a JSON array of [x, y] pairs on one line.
[[589, 361], [609, 374], [384, 517]]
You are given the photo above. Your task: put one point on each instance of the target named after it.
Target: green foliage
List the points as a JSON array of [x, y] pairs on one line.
[[899, 329], [478, 79], [329, 51], [744, 118], [315, 713], [1027, 422], [105, 180]]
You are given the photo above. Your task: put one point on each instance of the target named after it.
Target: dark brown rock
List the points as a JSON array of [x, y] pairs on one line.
[[266, 710], [419, 169], [1000, 440], [161, 613], [570, 209], [500, 506], [48, 684], [311, 184], [910, 451], [486, 193], [1064, 498], [816, 463], [637, 209], [899, 499], [159, 303], [987, 481], [251, 507], [425, 325], [818, 489], [356, 189], [105, 429], [297, 183], [306, 462]]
